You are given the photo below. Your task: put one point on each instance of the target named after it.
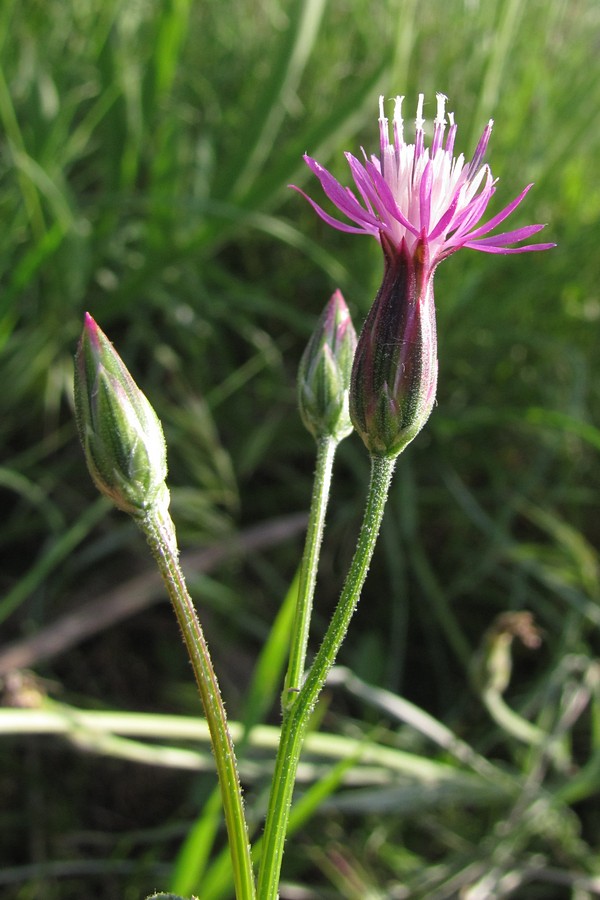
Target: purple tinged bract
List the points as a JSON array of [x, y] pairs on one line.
[[394, 376]]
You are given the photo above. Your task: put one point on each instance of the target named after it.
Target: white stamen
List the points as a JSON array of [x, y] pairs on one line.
[[398, 111], [381, 113], [398, 121], [441, 108], [420, 121]]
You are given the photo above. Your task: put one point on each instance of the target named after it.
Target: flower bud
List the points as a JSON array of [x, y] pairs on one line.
[[121, 435], [394, 375], [324, 373]]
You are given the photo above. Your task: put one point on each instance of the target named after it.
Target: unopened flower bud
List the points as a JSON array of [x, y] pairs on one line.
[[324, 373], [395, 366], [121, 435]]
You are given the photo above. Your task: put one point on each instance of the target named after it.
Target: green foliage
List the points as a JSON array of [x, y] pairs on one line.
[[145, 150]]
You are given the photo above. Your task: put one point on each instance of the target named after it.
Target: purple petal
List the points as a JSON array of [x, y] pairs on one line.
[[340, 196], [471, 215], [449, 148], [367, 228], [388, 201], [508, 237], [443, 223], [425, 196], [364, 184], [480, 149], [502, 215], [506, 250]]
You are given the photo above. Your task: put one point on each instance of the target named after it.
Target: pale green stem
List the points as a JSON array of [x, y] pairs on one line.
[[512, 722], [160, 534], [296, 719], [522, 729], [326, 448]]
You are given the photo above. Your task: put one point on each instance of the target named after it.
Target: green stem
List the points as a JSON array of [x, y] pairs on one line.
[[297, 717], [326, 448], [160, 534], [523, 730]]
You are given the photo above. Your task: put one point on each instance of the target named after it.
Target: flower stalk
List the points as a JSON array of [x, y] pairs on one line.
[[297, 717], [159, 531], [326, 449]]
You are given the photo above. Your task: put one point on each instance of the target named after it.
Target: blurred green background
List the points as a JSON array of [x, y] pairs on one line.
[[145, 153]]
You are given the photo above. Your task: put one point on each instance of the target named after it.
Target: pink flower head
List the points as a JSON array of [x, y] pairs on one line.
[[423, 194]]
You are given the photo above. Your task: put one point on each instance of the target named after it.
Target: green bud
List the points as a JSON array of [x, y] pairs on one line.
[[324, 373], [121, 435], [394, 375]]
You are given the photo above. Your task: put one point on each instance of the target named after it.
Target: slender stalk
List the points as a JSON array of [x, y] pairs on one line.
[[523, 730], [326, 448], [296, 719], [160, 533]]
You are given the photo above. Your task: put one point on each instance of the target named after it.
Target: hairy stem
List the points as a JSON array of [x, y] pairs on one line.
[[160, 534], [308, 571], [296, 719]]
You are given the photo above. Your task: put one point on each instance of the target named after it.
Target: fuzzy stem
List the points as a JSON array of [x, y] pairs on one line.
[[160, 534], [326, 448], [297, 717]]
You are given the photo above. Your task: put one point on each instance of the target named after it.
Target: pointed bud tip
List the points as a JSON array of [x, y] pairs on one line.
[[91, 331], [338, 301], [89, 323], [337, 314]]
